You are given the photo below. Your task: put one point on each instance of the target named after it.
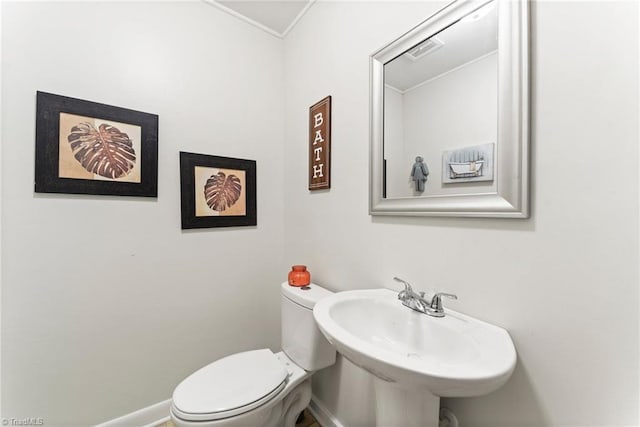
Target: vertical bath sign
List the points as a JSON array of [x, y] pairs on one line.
[[320, 145]]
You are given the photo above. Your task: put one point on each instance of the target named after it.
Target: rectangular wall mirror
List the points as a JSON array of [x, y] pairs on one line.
[[450, 115]]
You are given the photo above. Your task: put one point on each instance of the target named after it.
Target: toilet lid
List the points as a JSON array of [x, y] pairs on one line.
[[230, 386]]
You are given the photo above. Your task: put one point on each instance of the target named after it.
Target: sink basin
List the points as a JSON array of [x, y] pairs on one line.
[[410, 352]]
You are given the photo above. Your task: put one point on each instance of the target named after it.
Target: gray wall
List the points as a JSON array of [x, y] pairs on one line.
[[107, 304], [564, 283]]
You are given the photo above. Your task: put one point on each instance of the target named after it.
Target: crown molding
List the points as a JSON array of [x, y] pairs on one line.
[[257, 24]]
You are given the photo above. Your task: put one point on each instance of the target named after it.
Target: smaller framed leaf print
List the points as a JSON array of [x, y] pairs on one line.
[[217, 191], [83, 147]]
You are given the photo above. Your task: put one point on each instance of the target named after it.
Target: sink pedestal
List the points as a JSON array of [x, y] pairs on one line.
[[397, 406]]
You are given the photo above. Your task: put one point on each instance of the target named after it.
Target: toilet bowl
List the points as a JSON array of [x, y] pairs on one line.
[[259, 387]]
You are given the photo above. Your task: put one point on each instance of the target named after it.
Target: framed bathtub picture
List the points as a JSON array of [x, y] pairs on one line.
[[469, 164], [84, 147], [217, 191]]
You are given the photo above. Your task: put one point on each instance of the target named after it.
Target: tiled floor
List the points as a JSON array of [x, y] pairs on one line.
[[306, 421]]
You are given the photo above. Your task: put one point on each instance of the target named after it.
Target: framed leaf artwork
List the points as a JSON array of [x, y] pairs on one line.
[[84, 147], [217, 191]]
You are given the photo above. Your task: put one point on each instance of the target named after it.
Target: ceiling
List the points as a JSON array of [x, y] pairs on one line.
[[471, 38], [276, 17]]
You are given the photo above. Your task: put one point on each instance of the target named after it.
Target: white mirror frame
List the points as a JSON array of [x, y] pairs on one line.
[[511, 198]]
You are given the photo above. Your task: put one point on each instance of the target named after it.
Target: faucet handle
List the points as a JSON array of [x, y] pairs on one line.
[[404, 294], [436, 301], [407, 286]]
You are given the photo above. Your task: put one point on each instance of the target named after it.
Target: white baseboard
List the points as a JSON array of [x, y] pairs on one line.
[[154, 415], [322, 414], [151, 416]]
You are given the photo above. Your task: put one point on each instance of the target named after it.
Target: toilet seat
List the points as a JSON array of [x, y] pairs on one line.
[[230, 386]]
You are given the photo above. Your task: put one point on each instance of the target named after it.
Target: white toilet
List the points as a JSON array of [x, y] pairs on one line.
[[260, 388]]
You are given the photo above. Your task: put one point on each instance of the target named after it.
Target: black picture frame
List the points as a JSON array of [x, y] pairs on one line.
[[50, 177], [196, 208]]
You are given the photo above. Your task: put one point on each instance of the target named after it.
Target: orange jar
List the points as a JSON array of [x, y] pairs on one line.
[[299, 276]]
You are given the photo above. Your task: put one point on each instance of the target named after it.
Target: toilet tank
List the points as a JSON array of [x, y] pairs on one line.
[[302, 341]]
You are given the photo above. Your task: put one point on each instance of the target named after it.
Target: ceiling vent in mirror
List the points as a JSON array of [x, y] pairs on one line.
[[426, 47]]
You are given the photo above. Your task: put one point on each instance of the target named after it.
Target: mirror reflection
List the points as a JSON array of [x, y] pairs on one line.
[[441, 111]]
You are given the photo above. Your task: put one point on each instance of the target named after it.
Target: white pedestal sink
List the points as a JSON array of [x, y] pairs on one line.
[[415, 358]]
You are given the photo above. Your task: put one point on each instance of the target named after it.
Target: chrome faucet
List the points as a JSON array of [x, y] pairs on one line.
[[417, 302]]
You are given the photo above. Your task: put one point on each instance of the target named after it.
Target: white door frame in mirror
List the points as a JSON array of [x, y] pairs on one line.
[[511, 198]]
